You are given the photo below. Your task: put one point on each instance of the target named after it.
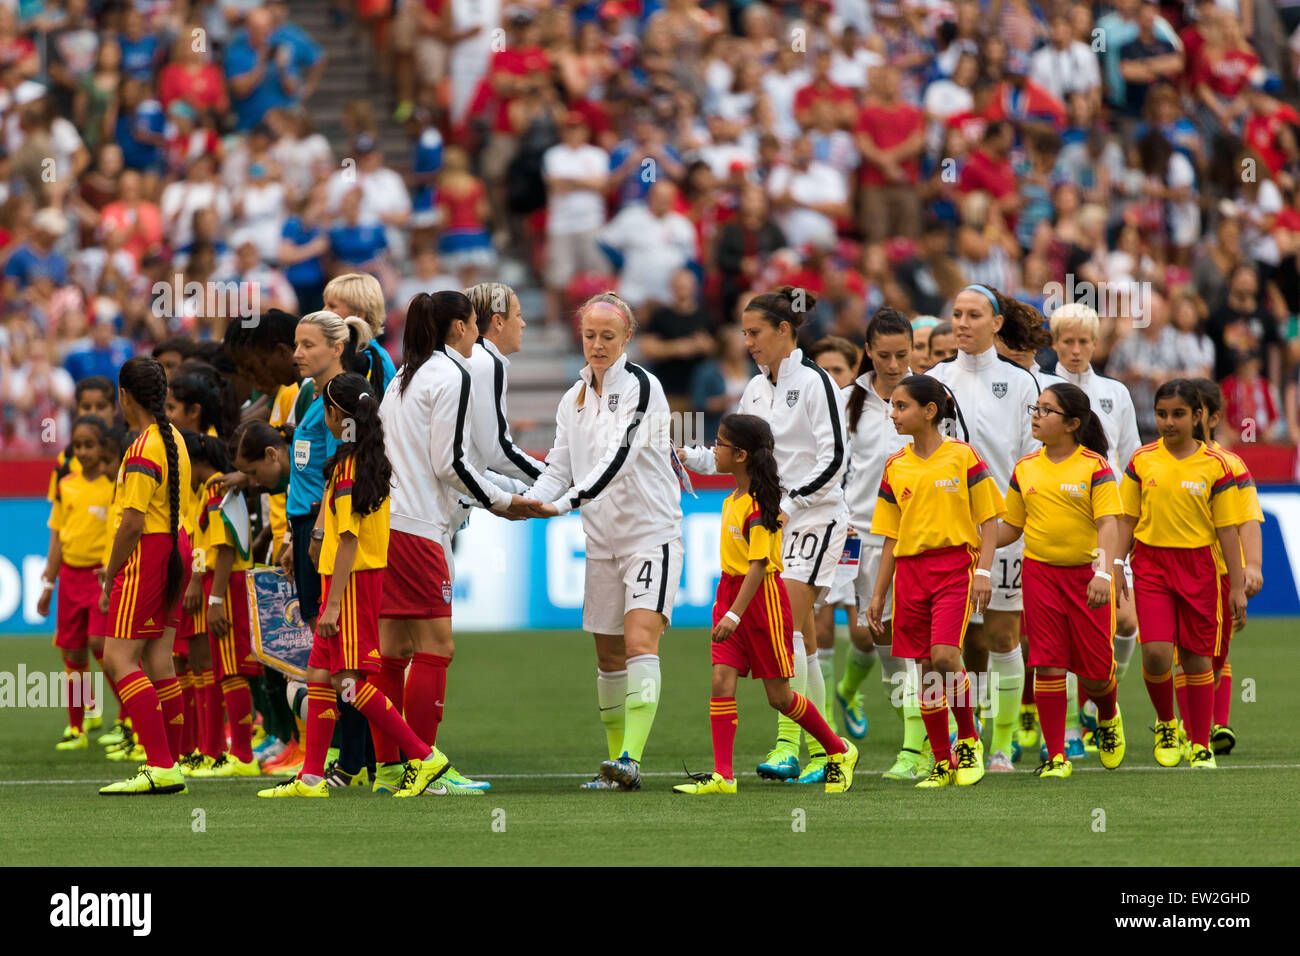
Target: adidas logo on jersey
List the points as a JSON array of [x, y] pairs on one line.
[[907, 493], [1032, 490], [1151, 483]]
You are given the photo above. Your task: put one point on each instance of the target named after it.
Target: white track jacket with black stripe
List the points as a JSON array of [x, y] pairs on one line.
[[612, 462], [806, 411], [427, 436], [494, 447]]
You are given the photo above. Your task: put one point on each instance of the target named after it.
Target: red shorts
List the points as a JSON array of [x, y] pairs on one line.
[[1063, 631], [356, 646], [135, 607], [1178, 598], [763, 642], [932, 599], [233, 655], [418, 584], [78, 606]]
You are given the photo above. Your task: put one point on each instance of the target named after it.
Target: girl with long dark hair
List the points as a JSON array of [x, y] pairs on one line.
[[144, 577], [756, 636], [1063, 498]]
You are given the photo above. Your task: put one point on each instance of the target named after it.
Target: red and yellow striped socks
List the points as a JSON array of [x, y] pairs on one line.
[[322, 713], [962, 703], [391, 682], [813, 724], [723, 718], [1105, 699], [378, 709], [173, 713], [141, 703], [1180, 694], [239, 710], [1160, 688], [190, 732], [1200, 707], [1049, 695]]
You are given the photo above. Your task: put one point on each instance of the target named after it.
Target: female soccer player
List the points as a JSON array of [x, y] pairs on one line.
[[194, 405], [1222, 737], [1063, 499], [358, 294], [345, 652], [78, 531], [990, 394], [804, 408], [229, 633], [612, 460], [937, 506], [872, 439], [144, 578], [1179, 498], [754, 636], [427, 415]]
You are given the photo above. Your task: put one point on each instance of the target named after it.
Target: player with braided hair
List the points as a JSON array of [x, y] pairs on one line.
[[144, 577]]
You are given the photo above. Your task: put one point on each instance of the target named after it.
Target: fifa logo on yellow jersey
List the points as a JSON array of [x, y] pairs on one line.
[[1075, 490], [735, 532], [1195, 487], [948, 484]]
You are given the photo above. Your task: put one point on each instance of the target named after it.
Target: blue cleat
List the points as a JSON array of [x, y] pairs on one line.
[[814, 771], [1088, 717], [855, 721], [1015, 751], [622, 770], [1074, 749], [780, 765]]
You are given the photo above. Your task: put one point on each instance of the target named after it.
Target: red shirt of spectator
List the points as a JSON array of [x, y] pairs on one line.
[[970, 125], [1261, 133], [201, 85], [508, 66], [1227, 74], [142, 222], [887, 126], [461, 211], [821, 89], [985, 173], [1193, 48]]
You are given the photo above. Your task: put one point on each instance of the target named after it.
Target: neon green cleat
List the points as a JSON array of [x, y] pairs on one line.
[[388, 778], [73, 739], [148, 781], [92, 722], [941, 775], [213, 767], [115, 736], [839, 769], [1027, 731], [1203, 759], [908, 765], [1110, 740], [1168, 752], [135, 752], [1057, 767], [232, 766], [969, 754], [294, 787], [454, 776], [420, 773], [706, 783]]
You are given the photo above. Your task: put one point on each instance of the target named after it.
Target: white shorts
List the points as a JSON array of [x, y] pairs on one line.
[[614, 586], [865, 584], [1006, 577], [812, 544]]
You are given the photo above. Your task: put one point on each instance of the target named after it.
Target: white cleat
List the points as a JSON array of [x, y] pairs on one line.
[[1000, 763]]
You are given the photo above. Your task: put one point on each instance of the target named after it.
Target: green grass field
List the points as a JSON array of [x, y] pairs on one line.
[[522, 712]]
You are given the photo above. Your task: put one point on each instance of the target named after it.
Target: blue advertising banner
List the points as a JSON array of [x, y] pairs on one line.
[[529, 574]]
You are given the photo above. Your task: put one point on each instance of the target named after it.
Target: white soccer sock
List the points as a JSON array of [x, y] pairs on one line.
[[1008, 668], [893, 674], [799, 682], [816, 694], [826, 664], [611, 693], [1124, 645]]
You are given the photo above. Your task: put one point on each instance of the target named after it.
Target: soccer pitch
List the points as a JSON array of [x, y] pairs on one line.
[[521, 712]]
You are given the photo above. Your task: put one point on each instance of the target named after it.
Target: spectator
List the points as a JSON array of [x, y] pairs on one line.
[[302, 154], [808, 197], [260, 74], [102, 352], [95, 99], [1118, 28], [718, 383], [42, 395], [1226, 63], [37, 260], [200, 189], [384, 198], [259, 212], [575, 173], [629, 171], [1065, 66], [304, 243], [678, 335], [891, 136], [355, 245], [653, 242], [743, 246], [136, 217], [192, 79], [1241, 331], [307, 58], [140, 127], [1187, 315], [141, 50], [465, 245]]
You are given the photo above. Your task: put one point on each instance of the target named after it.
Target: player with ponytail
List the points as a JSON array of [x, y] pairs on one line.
[[144, 578], [756, 636]]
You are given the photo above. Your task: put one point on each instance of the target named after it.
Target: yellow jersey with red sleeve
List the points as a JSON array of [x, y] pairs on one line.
[[213, 531], [1247, 493], [80, 516], [744, 539], [143, 479], [281, 409], [73, 464], [371, 530], [1179, 503], [1058, 504], [938, 502]]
